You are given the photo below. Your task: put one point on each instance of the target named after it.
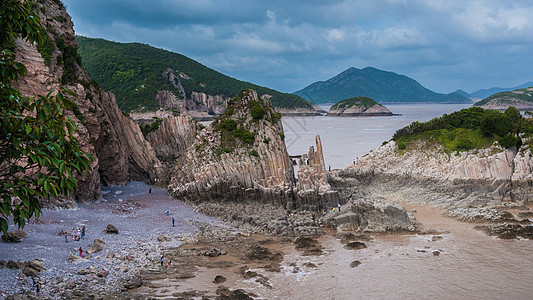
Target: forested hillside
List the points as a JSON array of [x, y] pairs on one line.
[[133, 72]]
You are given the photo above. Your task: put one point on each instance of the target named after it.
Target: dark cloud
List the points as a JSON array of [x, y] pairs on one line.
[[287, 45]]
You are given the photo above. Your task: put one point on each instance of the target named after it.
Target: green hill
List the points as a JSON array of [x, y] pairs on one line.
[[521, 98], [467, 129], [133, 72], [384, 87]]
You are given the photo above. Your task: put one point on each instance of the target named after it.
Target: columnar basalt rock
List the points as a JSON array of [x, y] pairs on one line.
[[240, 156], [492, 173], [121, 152], [312, 185], [173, 136]]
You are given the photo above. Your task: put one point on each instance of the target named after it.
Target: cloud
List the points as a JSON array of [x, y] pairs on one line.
[[287, 45]]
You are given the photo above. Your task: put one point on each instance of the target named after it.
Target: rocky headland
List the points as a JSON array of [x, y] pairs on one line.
[[520, 98], [474, 186], [358, 107]]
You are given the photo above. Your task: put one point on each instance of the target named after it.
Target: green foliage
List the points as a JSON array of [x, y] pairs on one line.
[[70, 60], [401, 145], [469, 129], [133, 72], [258, 111], [356, 101], [46, 47], [254, 153], [147, 128], [509, 140], [39, 152]]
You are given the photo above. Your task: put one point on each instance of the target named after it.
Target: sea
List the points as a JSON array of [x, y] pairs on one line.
[[344, 139]]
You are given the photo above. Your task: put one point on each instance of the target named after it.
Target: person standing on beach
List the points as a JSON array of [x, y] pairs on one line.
[[173, 222], [161, 260], [83, 232], [81, 252], [339, 206], [150, 191]]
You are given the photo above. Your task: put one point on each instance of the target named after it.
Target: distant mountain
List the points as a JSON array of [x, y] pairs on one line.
[[484, 93], [520, 98], [382, 86], [461, 92], [144, 78]]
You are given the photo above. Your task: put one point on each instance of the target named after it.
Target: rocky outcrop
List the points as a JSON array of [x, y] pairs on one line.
[[237, 157], [493, 172], [521, 99], [312, 185], [173, 136], [121, 152], [371, 216]]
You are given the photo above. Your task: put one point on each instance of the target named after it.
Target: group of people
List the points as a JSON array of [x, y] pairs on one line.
[[76, 234], [169, 262]]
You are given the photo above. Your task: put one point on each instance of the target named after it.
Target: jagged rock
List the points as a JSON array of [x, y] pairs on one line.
[[508, 231], [36, 265], [237, 157], [74, 258], [102, 273], [173, 136], [133, 283], [258, 253], [15, 236], [13, 264], [97, 246], [378, 216], [110, 229], [83, 271], [213, 252], [120, 150], [163, 238]]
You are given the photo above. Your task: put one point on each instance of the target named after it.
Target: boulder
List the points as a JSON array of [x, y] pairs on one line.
[[15, 236], [219, 279], [102, 273], [97, 246], [355, 246], [13, 264], [213, 252], [36, 264], [355, 263], [30, 272], [133, 283], [110, 229]]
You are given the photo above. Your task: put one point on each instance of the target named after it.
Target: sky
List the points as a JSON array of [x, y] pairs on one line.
[[288, 44]]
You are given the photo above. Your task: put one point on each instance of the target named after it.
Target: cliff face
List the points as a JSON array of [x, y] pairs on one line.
[[173, 136], [121, 153], [240, 156], [493, 172], [199, 106]]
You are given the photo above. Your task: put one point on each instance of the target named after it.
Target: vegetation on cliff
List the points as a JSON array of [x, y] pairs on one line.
[[385, 87], [356, 101], [235, 126], [133, 72], [467, 129], [39, 151]]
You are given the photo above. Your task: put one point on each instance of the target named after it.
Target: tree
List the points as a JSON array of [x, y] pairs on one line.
[[40, 155]]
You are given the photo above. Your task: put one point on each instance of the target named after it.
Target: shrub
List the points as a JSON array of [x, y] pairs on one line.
[[401, 145], [509, 141], [464, 144]]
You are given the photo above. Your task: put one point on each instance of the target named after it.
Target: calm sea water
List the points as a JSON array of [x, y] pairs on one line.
[[346, 138]]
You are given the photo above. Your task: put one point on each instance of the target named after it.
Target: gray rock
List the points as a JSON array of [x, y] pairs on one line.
[[355, 246], [15, 236], [355, 263], [30, 272], [110, 229], [133, 283], [97, 246], [13, 264], [219, 279]]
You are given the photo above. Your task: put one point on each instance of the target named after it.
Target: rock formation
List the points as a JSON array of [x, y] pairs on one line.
[[312, 185], [358, 106], [521, 99], [173, 136], [375, 216], [240, 156], [121, 152], [477, 185]]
